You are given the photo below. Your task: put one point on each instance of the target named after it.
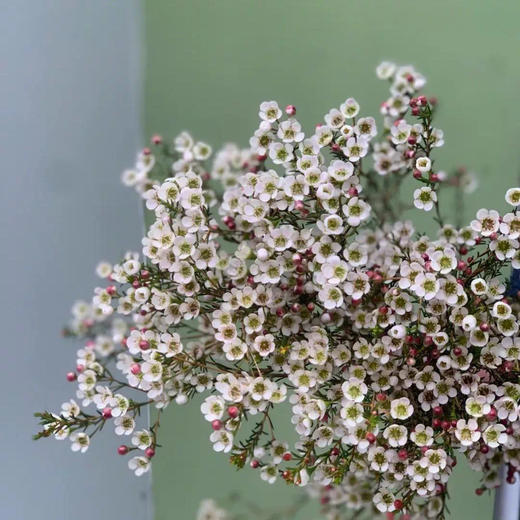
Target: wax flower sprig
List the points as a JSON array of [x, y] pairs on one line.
[[285, 272]]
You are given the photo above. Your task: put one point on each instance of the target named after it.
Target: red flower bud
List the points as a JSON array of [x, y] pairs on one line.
[[233, 412], [370, 437], [290, 110]]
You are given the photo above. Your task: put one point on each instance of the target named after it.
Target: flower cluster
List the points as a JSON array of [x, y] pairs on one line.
[[283, 275], [237, 508]]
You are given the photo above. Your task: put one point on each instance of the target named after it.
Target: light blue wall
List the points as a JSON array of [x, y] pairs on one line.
[[70, 122]]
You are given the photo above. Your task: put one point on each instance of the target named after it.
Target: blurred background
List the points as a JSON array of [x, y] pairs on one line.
[[83, 86]]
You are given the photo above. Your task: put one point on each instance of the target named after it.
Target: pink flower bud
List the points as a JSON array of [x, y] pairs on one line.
[[149, 452], [290, 110], [233, 412], [492, 415]]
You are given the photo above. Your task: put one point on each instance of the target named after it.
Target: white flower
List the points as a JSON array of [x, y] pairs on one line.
[[477, 406], [510, 225], [350, 108], [170, 344], [354, 390], [124, 425], [385, 70], [212, 408], [264, 345], [400, 132], [340, 170], [119, 404], [401, 408], [331, 225], [355, 148], [290, 131], [487, 222], [201, 151], [70, 409], [424, 198], [434, 460], [209, 510], [378, 458], [104, 269], [139, 465], [352, 413], [494, 435], [323, 135], [87, 380], [356, 211], [504, 247], [478, 337], [426, 286], [152, 370], [142, 439], [79, 441], [384, 501], [479, 286], [366, 127], [234, 350], [269, 474], [281, 153], [443, 261], [423, 164], [467, 432], [331, 296], [222, 440], [396, 435], [469, 323], [507, 409], [422, 435], [513, 196], [133, 177], [270, 111]]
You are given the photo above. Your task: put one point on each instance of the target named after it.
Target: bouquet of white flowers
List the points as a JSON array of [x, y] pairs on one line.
[[285, 272]]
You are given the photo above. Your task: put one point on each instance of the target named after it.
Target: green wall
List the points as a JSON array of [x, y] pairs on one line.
[[209, 65]]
